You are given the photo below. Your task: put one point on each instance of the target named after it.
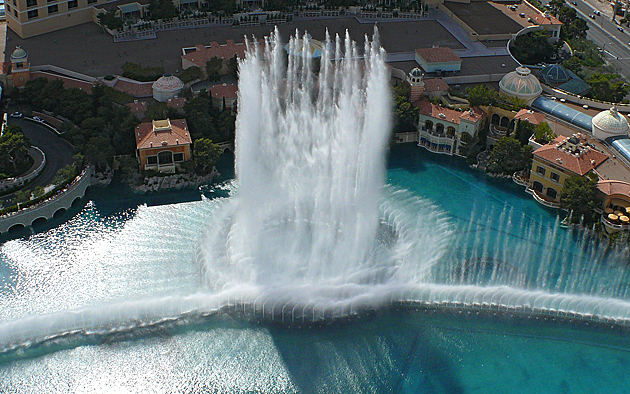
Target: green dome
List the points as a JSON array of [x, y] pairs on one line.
[[18, 53]]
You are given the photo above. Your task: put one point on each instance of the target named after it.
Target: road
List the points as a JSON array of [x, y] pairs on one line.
[[57, 150]]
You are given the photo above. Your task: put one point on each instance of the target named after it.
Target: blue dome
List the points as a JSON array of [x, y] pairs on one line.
[[554, 73]]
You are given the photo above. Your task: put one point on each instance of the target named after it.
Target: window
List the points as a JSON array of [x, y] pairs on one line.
[[15, 3], [178, 157], [15, 12], [540, 170], [31, 3], [51, 1], [73, 4], [151, 159], [91, 1], [537, 186], [52, 9], [8, 8], [165, 157], [32, 14], [551, 192], [555, 177]]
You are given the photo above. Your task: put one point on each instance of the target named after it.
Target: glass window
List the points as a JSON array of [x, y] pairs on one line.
[[555, 177], [540, 170], [15, 12], [32, 14], [178, 157], [15, 3], [552, 193], [91, 1], [9, 8], [31, 3], [151, 159], [53, 9], [73, 4]]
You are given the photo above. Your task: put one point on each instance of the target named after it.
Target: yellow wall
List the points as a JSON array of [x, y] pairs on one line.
[[143, 153], [546, 180]]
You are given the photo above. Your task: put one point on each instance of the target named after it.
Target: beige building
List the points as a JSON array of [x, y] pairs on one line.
[[28, 18], [163, 144]]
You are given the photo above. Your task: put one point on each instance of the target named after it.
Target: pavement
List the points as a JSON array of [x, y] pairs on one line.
[[58, 151]]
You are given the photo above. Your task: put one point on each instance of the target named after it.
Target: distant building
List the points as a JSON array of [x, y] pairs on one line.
[[438, 59], [610, 123], [559, 77], [28, 18], [162, 144], [444, 130], [557, 161], [200, 54], [225, 94], [420, 86], [530, 116], [520, 84], [550, 23], [176, 103], [139, 108], [20, 67], [616, 204]]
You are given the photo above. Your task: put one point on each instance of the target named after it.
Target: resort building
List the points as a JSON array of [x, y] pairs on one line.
[[557, 161], [167, 87], [162, 144], [559, 77], [443, 130], [520, 84], [550, 23], [610, 123], [530, 116], [616, 204], [224, 96], [420, 86], [20, 68], [501, 124], [200, 55], [28, 18], [438, 60]]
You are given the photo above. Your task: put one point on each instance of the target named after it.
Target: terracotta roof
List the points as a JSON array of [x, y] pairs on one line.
[[225, 90], [151, 135], [177, 102], [435, 85], [438, 55], [610, 187], [579, 164], [532, 117], [134, 88], [427, 108], [203, 54], [137, 107], [540, 19], [68, 83]]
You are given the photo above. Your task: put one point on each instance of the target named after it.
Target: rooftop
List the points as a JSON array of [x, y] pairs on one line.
[[546, 19], [611, 187], [438, 55], [532, 117], [162, 133], [577, 158], [224, 91], [427, 108]]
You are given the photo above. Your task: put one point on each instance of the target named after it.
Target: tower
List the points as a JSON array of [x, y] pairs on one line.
[[417, 86], [20, 67]]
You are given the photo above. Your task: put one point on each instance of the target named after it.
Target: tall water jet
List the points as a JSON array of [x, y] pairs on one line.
[[310, 164]]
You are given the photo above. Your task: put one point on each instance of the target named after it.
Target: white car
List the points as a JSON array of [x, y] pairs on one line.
[[17, 115], [38, 119]]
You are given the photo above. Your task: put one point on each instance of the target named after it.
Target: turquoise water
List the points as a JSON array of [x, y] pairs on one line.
[[120, 248]]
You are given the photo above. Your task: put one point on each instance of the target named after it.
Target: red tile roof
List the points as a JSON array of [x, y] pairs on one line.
[[226, 90], [580, 163], [610, 187], [545, 20], [438, 55], [68, 83], [203, 54], [427, 108], [530, 116], [147, 136], [134, 88], [177, 102], [137, 107], [435, 85]]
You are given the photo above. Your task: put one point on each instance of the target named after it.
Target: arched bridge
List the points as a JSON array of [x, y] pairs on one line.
[[47, 209], [226, 145]]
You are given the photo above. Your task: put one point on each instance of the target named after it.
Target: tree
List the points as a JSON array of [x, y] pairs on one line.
[[162, 9], [481, 95], [508, 156], [533, 48], [110, 20], [233, 67], [524, 130], [205, 153], [579, 195], [14, 147], [544, 134], [214, 68], [573, 64]]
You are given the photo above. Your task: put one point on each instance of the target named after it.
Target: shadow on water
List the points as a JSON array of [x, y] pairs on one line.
[[388, 353]]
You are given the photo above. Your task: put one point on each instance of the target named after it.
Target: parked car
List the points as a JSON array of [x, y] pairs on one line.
[[620, 29], [598, 13], [17, 115], [522, 15], [38, 119], [591, 16], [573, 3]]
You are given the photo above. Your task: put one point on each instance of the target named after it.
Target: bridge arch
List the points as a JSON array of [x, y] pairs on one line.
[[39, 220], [16, 227], [59, 212]]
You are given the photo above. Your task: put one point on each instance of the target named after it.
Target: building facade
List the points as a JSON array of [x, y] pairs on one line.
[[444, 130], [162, 144], [28, 18], [557, 161]]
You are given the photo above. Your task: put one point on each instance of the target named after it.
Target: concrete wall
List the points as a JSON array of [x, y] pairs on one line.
[[580, 100]]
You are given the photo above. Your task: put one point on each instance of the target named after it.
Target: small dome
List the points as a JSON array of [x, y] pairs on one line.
[[610, 123], [18, 53], [168, 83], [416, 72], [521, 84], [554, 73]]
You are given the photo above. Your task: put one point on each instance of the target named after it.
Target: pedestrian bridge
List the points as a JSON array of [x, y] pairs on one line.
[[49, 208]]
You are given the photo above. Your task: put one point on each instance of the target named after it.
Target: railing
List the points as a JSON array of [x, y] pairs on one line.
[[519, 179], [541, 199], [615, 226]]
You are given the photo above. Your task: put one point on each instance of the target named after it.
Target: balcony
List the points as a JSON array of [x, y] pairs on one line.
[[542, 199], [613, 226]]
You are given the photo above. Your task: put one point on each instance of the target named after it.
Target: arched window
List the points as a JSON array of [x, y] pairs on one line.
[[450, 131], [552, 193], [495, 119], [439, 128], [165, 157], [537, 186], [466, 137], [505, 121], [428, 125]]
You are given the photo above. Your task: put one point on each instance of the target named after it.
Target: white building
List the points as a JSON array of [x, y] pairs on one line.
[[167, 87], [610, 123]]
